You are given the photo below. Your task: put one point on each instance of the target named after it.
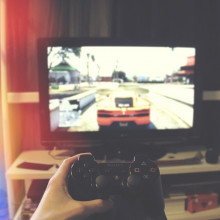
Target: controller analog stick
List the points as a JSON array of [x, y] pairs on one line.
[[134, 182], [104, 181]]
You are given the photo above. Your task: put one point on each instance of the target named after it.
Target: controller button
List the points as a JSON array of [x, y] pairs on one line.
[[76, 170], [86, 158], [107, 171], [116, 178], [124, 182], [134, 182], [104, 181], [152, 170], [145, 176], [137, 170], [91, 170], [143, 163], [86, 175]]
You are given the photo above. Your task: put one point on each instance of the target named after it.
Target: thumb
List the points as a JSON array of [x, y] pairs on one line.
[[97, 206]]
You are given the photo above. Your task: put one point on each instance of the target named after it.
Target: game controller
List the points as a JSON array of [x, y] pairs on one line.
[[140, 179]]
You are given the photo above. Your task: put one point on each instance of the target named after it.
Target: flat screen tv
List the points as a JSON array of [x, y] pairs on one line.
[[95, 90]]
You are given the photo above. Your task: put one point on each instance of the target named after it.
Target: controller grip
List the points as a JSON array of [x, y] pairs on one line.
[[153, 199]]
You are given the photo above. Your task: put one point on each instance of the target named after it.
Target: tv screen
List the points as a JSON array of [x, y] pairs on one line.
[[98, 88]]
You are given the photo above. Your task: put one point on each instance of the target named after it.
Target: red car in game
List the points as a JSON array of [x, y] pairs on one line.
[[123, 109]]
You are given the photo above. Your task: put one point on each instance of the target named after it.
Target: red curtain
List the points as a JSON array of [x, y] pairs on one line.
[[28, 20]]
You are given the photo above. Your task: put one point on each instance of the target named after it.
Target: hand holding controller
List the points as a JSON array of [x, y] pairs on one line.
[[88, 180]]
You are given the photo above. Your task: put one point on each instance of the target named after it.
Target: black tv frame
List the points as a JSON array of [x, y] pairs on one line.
[[177, 137]]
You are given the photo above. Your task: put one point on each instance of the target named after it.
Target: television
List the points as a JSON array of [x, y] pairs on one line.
[[97, 91]]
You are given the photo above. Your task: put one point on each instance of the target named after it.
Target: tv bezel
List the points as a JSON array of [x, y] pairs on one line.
[[65, 139]]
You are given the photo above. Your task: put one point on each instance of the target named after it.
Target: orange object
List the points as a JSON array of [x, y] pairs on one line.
[[139, 117], [201, 202]]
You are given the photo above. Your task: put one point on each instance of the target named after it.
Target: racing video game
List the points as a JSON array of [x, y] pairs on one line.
[[94, 88]]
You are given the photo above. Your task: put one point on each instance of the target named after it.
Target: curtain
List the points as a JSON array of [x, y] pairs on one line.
[[160, 20], [28, 20]]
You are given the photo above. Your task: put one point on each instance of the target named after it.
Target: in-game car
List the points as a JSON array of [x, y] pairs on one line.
[[123, 109]]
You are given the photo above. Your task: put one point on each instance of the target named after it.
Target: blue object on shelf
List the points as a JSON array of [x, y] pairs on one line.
[[3, 205]]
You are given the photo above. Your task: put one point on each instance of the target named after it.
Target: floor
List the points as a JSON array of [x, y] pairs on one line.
[[3, 196]]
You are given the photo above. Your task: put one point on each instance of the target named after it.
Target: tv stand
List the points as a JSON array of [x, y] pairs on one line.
[[43, 156], [120, 150]]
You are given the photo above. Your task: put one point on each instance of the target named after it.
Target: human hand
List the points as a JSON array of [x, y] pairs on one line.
[[56, 202]]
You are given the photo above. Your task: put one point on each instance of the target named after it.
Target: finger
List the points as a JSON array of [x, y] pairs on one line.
[[64, 167], [97, 206]]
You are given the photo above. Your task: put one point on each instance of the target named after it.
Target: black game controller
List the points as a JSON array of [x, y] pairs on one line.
[[140, 179]]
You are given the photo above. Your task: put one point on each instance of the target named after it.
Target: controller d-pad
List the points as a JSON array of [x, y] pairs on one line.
[[86, 158], [84, 169]]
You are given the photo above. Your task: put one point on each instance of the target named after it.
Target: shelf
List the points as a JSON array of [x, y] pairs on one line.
[[39, 156], [52, 157], [18, 213], [175, 210], [43, 156], [211, 95], [203, 215], [23, 97], [189, 168], [171, 215]]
